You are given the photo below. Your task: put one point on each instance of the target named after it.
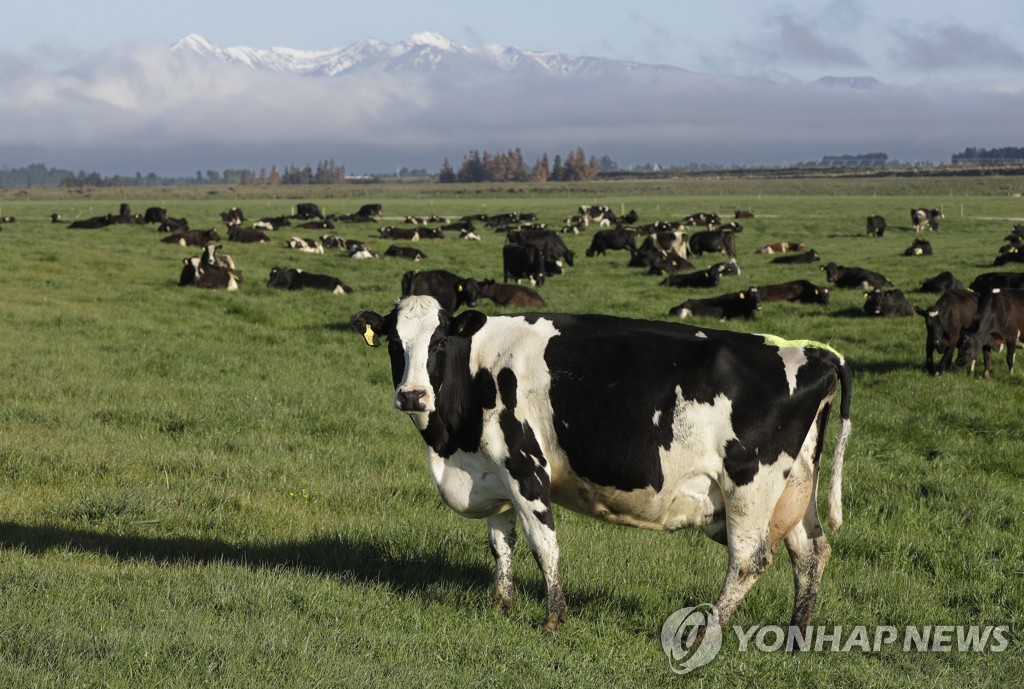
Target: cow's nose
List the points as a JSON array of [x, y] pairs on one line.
[[410, 400]]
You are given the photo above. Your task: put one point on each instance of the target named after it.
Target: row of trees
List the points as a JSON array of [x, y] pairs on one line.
[[1006, 154], [511, 167]]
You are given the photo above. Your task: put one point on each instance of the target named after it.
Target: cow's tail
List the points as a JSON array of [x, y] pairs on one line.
[[835, 493]]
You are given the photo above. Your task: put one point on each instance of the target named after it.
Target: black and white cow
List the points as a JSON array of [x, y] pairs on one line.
[[309, 246], [876, 226], [925, 217], [941, 282], [408, 252], [392, 232], [210, 271], [296, 278], [920, 247], [450, 290], [1000, 322], [723, 307], [648, 424], [887, 302], [861, 278], [945, 322]]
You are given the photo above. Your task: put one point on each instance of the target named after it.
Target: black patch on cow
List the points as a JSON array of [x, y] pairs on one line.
[[525, 461], [507, 387]]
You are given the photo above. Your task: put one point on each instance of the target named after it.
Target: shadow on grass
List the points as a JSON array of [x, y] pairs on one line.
[[418, 574]]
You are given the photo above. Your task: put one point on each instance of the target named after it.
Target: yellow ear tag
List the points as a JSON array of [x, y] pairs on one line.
[[742, 295], [458, 288], [368, 337]]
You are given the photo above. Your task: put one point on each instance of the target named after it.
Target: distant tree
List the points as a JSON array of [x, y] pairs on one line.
[[447, 174]]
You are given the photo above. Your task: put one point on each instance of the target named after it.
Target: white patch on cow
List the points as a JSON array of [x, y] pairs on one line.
[[232, 284], [792, 359], [418, 318], [469, 484], [685, 313], [933, 313], [362, 254], [656, 419], [338, 290], [701, 334]]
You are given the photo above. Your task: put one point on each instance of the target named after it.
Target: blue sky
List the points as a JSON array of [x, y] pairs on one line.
[[902, 42]]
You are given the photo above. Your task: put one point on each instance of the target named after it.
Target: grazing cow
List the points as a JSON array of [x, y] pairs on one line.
[[649, 424], [309, 246], [799, 291], [781, 248], [511, 295], [1000, 321], [920, 247], [192, 238], [612, 240], [450, 290], [955, 310], [523, 261], [941, 282], [887, 302], [986, 282], [744, 215], [658, 262], [703, 278], [855, 277], [247, 235], [925, 217], [809, 256], [876, 226], [308, 211], [296, 278], [408, 252], [723, 307], [712, 241], [552, 248], [154, 214], [392, 232]]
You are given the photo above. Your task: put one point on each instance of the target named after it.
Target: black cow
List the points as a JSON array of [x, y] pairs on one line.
[[408, 252], [511, 295], [651, 424], [955, 310], [887, 302], [986, 282], [861, 278], [308, 211], [732, 305], [876, 226], [296, 278], [658, 262], [316, 225], [247, 235], [941, 282], [169, 224], [1000, 322], [612, 240], [272, 223], [920, 247], [93, 223], [154, 214], [392, 232], [192, 238], [712, 241], [450, 290], [925, 217], [552, 248], [703, 278], [523, 261], [370, 211], [1009, 254], [809, 256], [744, 215], [799, 291]]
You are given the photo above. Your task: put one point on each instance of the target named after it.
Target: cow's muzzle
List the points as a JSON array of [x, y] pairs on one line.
[[411, 400]]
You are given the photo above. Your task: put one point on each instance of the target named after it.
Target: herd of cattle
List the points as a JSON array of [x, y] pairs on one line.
[[976, 320]]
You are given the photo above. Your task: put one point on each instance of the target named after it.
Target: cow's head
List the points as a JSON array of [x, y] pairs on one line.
[[831, 271], [967, 348], [419, 334]]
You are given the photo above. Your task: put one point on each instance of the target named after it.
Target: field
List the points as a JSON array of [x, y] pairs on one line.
[[211, 489]]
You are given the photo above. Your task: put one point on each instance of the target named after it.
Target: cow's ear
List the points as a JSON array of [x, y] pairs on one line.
[[919, 311], [368, 324], [466, 324]]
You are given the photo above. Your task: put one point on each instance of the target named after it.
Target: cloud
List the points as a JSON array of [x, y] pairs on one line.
[[937, 48], [789, 39], [139, 108]]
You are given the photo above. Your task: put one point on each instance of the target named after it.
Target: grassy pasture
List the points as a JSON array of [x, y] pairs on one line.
[[210, 489]]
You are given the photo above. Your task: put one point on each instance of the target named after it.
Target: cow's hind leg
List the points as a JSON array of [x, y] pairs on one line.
[[809, 552], [501, 531]]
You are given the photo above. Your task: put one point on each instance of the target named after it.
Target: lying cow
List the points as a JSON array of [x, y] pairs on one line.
[[999, 323], [986, 282], [296, 278], [309, 246], [920, 247], [781, 248], [511, 295], [733, 305], [810, 256], [941, 282], [861, 278], [211, 270], [799, 291], [702, 278], [408, 252], [945, 322], [247, 235], [519, 412], [887, 302], [192, 237], [392, 232]]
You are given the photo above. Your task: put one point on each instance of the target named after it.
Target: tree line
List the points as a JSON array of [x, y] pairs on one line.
[[1006, 154], [511, 167]]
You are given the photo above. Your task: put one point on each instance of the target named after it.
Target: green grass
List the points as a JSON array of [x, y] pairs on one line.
[[210, 489]]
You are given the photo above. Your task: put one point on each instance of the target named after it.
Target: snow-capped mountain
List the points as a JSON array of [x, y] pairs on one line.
[[421, 52]]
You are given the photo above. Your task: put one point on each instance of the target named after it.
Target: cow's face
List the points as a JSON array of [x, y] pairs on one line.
[[418, 332], [967, 348]]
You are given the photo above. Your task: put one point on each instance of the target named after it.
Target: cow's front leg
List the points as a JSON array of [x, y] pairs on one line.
[[534, 512], [501, 531]]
